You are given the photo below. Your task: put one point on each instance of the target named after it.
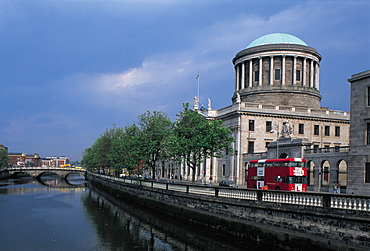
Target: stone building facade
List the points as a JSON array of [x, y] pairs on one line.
[[276, 113], [275, 110], [359, 154]]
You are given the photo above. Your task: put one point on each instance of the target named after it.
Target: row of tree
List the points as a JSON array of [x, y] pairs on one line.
[[155, 138]]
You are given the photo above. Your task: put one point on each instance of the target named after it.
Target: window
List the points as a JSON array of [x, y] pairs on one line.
[[327, 130], [251, 147], [223, 170], [368, 96], [337, 131], [368, 134], [298, 75], [277, 74], [367, 172], [301, 129], [268, 126], [251, 125], [256, 76], [316, 130]]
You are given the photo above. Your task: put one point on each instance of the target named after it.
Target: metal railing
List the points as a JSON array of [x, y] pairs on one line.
[[326, 150], [324, 200]]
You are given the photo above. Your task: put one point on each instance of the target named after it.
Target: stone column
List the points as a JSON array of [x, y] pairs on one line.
[[317, 76], [237, 77], [271, 70], [260, 71], [283, 71], [250, 72], [311, 74], [243, 75], [294, 70], [304, 71]]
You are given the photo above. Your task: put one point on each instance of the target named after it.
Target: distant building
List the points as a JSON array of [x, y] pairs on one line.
[[54, 161], [359, 154], [23, 160]]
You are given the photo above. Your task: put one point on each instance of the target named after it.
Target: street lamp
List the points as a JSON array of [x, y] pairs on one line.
[[276, 126]]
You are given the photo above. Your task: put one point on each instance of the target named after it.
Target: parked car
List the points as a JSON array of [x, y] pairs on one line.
[[164, 181], [226, 183]]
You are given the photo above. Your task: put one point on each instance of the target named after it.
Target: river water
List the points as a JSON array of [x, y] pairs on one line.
[[52, 214]]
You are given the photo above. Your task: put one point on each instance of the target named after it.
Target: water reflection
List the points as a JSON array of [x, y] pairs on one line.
[[124, 227], [49, 180]]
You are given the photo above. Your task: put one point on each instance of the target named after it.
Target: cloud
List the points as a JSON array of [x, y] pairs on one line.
[[168, 77], [39, 122]]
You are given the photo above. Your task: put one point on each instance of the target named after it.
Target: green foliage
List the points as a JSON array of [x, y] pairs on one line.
[[191, 139], [195, 138], [124, 150], [4, 158], [155, 131]]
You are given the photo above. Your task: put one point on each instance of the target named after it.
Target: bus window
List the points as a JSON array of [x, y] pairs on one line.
[[269, 164], [296, 179], [257, 178], [254, 164], [296, 164], [277, 164], [261, 164]]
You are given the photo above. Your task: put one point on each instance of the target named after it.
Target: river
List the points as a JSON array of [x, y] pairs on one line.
[[54, 214]]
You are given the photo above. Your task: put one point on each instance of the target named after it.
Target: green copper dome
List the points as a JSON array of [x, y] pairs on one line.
[[276, 38]]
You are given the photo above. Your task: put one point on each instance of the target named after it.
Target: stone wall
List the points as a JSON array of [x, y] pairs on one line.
[[359, 153], [294, 226]]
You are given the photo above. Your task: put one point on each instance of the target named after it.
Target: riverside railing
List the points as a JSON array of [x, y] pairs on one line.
[[324, 200]]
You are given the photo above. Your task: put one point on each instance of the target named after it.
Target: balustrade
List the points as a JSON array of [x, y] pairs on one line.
[[341, 202]]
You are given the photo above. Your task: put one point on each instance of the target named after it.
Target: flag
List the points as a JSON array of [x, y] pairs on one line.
[[197, 76]]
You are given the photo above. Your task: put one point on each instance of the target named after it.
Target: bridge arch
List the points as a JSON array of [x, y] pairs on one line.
[[20, 174], [39, 171]]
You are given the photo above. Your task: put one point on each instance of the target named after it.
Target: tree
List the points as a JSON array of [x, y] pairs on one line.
[[196, 138], [155, 131], [98, 155], [4, 158], [125, 149]]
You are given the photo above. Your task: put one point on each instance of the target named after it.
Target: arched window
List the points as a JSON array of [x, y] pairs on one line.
[[342, 172], [246, 171], [325, 177], [310, 173]]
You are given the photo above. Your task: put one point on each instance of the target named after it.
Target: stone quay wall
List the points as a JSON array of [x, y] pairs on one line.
[[298, 227]]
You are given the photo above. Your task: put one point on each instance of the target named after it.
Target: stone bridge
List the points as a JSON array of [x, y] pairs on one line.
[[39, 171]]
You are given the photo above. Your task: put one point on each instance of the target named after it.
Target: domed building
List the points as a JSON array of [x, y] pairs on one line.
[[276, 112], [278, 69]]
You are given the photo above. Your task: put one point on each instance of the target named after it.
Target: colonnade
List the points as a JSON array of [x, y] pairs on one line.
[[276, 70]]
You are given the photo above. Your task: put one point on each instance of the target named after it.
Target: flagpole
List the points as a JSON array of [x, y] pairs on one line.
[[198, 89]]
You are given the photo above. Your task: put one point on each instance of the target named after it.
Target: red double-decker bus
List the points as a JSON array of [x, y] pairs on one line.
[[288, 174]]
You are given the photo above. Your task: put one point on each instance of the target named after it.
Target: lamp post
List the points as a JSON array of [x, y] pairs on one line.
[[276, 126]]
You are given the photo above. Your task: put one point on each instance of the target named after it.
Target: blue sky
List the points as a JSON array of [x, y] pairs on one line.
[[71, 69]]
